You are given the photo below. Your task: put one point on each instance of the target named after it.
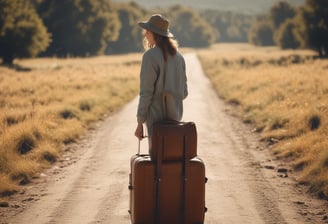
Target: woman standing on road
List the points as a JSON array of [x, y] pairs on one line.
[[163, 70]]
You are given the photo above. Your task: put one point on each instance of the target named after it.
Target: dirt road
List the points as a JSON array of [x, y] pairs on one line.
[[90, 184]]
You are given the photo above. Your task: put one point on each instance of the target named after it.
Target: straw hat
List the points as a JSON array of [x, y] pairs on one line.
[[157, 24]]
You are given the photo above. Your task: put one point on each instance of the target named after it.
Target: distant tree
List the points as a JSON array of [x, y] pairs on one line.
[[314, 17], [79, 27], [130, 38], [22, 32], [234, 33], [190, 28], [261, 32], [281, 11], [266, 30], [229, 26], [278, 14], [219, 21], [288, 36]]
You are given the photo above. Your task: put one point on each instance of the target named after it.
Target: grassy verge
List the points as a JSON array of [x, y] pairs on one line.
[[46, 104], [284, 94]]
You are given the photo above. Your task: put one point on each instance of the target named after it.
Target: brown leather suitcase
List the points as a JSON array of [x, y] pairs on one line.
[[167, 192], [142, 188], [168, 186], [181, 200], [172, 137]]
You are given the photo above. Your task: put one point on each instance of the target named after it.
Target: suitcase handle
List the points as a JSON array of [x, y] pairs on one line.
[[138, 153], [138, 147], [143, 136]]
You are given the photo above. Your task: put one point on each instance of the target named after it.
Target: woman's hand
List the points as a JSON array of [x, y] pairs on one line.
[[139, 131]]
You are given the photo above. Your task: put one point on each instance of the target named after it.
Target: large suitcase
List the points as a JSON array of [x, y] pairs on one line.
[[168, 186], [175, 194]]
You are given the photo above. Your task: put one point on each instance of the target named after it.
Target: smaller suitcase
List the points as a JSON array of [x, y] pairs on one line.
[[172, 137]]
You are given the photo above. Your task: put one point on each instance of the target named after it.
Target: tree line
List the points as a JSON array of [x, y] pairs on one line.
[[293, 27], [30, 28], [70, 28]]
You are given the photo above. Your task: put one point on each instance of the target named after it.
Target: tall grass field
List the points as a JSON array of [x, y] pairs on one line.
[[284, 95], [46, 104]]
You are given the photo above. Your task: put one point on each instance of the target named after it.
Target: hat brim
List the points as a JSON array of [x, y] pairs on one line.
[[148, 26]]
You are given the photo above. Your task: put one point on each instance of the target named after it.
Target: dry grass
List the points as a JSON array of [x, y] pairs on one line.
[[48, 103], [284, 94]]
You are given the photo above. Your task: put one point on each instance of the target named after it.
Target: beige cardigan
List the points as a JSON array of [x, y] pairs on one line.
[[152, 71]]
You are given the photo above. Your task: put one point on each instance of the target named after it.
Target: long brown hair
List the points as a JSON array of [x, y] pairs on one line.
[[166, 44]]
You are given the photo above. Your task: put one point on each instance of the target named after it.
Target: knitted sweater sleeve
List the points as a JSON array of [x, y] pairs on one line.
[[148, 76]]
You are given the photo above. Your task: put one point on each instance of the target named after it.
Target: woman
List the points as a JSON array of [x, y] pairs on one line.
[[163, 70]]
